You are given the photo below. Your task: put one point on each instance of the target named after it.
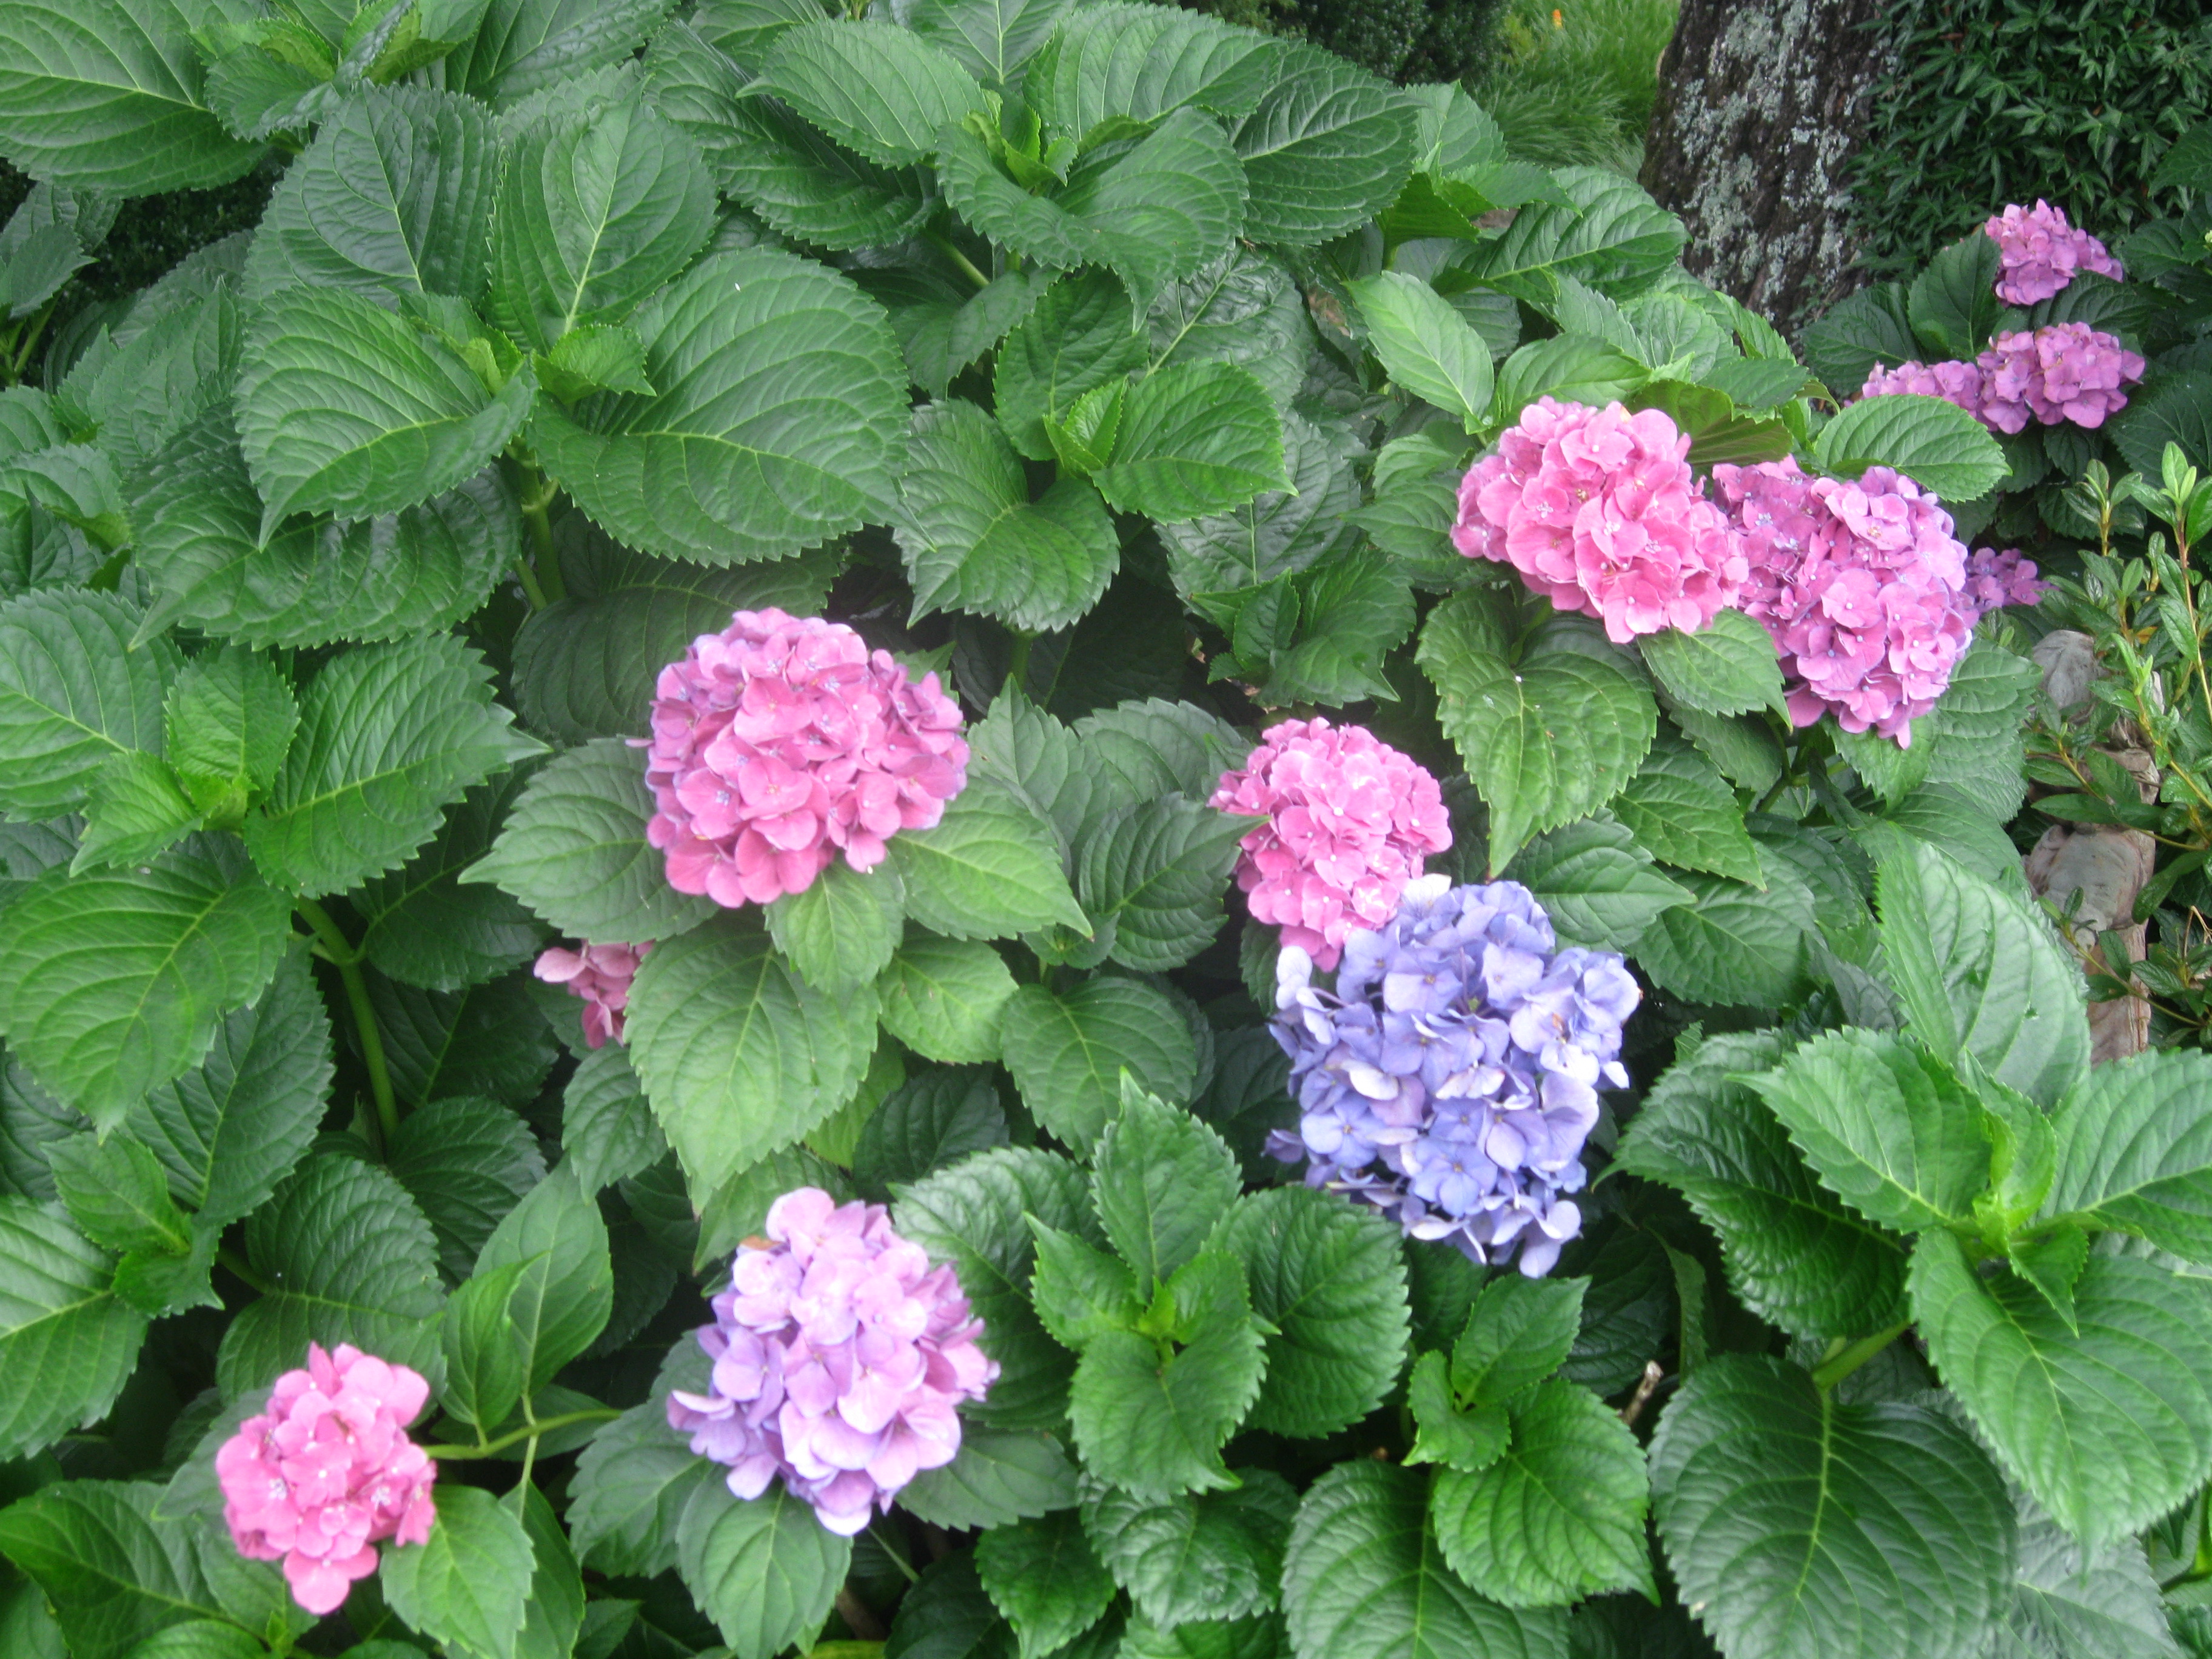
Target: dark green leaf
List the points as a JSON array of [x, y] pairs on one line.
[[607, 1129], [466, 1162], [765, 1570], [470, 1584], [1045, 1577]]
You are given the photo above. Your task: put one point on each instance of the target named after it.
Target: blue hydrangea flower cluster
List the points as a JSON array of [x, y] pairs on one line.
[[1451, 1077]]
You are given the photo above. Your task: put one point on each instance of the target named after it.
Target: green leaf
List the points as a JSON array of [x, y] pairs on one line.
[[421, 928], [594, 212], [751, 453], [944, 997], [841, 930], [1330, 1279], [573, 850], [988, 870], [1194, 439], [1936, 444], [1683, 812], [974, 541], [2170, 410], [943, 335], [72, 695], [1157, 872], [595, 357], [1045, 1577], [607, 1129], [1868, 329], [565, 1288], [1796, 1524], [469, 1585], [492, 1040], [1726, 667], [1597, 885], [1068, 1052], [765, 1570], [2108, 1424], [484, 1373], [808, 188], [466, 1162], [1218, 560], [739, 1056], [1325, 150], [344, 408], [1953, 302], [138, 809], [1885, 1124], [107, 96], [1795, 1256], [1571, 367], [117, 1194], [1975, 971], [997, 1476], [1547, 733], [1196, 1557], [948, 1616], [67, 1345], [1242, 307], [529, 46], [875, 89], [933, 1118], [989, 39], [1560, 1516], [1517, 1333], [1160, 1181], [737, 1210], [1080, 336], [114, 982], [1364, 1579], [229, 719], [1614, 238], [1732, 944], [353, 1261], [2071, 1600], [1153, 1421], [555, 1612], [2132, 1155], [971, 1215], [230, 1129], [633, 1481], [1469, 1440], [1425, 346], [1080, 1293], [1143, 63]]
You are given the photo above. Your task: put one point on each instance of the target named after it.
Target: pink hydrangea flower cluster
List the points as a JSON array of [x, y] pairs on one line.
[[2066, 371], [600, 974], [327, 1472], [1994, 578], [841, 1358], [1349, 822], [2039, 253], [1599, 511], [781, 742], [1861, 584]]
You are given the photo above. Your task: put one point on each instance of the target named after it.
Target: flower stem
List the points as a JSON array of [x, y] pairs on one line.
[[346, 959], [527, 1432], [1842, 1362], [961, 261]]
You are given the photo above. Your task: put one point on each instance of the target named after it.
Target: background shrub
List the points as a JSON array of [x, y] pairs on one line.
[[1405, 39]]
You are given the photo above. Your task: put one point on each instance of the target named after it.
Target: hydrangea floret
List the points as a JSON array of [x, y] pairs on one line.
[[1862, 585], [780, 742], [326, 1473], [1451, 1077], [2064, 372], [1349, 822], [600, 974], [2039, 253], [841, 1358], [1599, 511]]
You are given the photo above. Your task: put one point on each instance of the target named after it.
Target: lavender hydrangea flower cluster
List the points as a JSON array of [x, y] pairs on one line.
[[1451, 1077], [2064, 372], [2038, 253]]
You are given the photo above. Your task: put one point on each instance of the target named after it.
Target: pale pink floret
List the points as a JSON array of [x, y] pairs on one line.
[[600, 974], [2039, 253], [781, 742], [840, 1359], [1862, 585], [1599, 511], [327, 1472], [1350, 821]]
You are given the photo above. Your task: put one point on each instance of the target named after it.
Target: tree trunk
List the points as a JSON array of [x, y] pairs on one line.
[[1761, 103]]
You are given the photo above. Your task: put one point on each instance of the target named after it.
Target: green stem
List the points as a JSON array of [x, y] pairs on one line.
[[31, 340], [965, 265], [1842, 1362], [238, 1267], [529, 1463], [1781, 784], [897, 1555], [530, 590], [343, 956], [527, 1432], [1017, 666]]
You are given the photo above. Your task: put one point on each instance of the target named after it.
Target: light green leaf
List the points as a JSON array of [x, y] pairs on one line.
[[841, 930], [1731, 943], [469, 1585], [875, 89], [137, 809], [2069, 1600], [1326, 149], [997, 1476], [1614, 238], [2132, 1155], [1597, 885], [765, 1571], [1068, 1052], [1081, 1294], [1726, 667], [1939, 446], [944, 997], [739, 1056], [1160, 1181], [117, 1194], [1470, 1440], [1194, 439], [483, 1350], [1144, 61], [1796, 1524], [1045, 1577], [230, 719], [565, 1291], [72, 693], [527, 46], [751, 453], [1953, 302], [807, 187], [1571, 367], [1081, 335], [1683, 812], [989, 870], [67, 1345], [1425, 346]]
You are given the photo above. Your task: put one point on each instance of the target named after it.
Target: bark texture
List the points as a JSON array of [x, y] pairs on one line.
[[1761, 104]]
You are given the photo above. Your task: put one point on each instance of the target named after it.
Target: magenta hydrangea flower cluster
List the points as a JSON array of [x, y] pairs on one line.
[[2064, 372], [326, 1473], [1350, 821], [840, 1359], [2039, 253], [600, 974], [1451, 1077], [1862, 585], [1995, 579], [1599, 511], [781, 742]]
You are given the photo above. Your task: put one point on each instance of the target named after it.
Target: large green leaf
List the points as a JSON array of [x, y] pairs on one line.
[[67, 1345], [2132, 1152], [1081, 335], [1613, 237], [1600, 889], [351, 1259], [344, 408], [1939, 446], [1426, 346], [72, 693], [1144, 61], [1797, 1525], [1681, 811], [944, 997], [1795, 1256], [2108, 1424], [481, 1040], [780, 412], [468, 1585], [633, 1481], [974, 541], [1195, 438], [1326, 149], [1244, 308], [389, 735], [1548, 732], [114, 982], [421, 927], [988, 870], [1195, 1557], [765, 1570], [1726, 667], [1732, 943], [2069, 1600], [594, 213], [1045, 1577], [574, 849], [997, 1475], [527, 46], [607, 1129], [1364, 1579], [1217, 560], [110, 96], [1068, 1051], [808, 188], [465, 1161], [1953, 302], [739, 1055], [1156, 874], [565, 1290], [876, 89], [1161, 1180]]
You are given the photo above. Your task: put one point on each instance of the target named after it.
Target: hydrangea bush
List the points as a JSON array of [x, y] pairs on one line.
[[933, 829]]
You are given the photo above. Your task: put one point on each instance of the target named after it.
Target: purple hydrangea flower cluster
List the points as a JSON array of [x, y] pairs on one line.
[[2038, 253], [1451, 1077], [1994, 578], [2066, 371]]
